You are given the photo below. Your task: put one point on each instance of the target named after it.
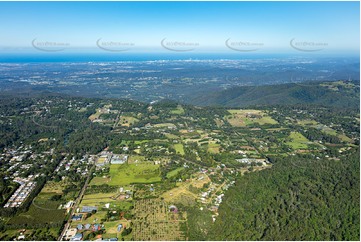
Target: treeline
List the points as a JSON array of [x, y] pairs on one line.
[[300, 198], [316, 93]]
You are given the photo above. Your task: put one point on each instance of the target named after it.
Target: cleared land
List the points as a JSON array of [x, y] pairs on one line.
[[297, 141], [245, 117], [153, 220], [186, 192], [165, 125], [127, 121], [133, 173], [174, 172], [95, 115], [42, 211], [213, 148], [179, 149], [179, 110]]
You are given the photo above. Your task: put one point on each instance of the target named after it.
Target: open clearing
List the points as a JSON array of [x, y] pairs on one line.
[[95, 115], [183, 192], [171, 136], [153, 220], [179, 110], [41, 211], [245, 117], [136, 159], [100, 199], [127, 121], [179, 149], [94, 218], [298, 141], [133, 173], [330, 131], [174, 172], [54, 187], [213, 148], [165, 125], [307, 122]]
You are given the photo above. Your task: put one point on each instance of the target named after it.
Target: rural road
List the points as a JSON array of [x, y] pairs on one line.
[[76, 204]]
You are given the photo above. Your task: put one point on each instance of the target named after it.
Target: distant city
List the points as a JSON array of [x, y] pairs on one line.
[[169, 79]]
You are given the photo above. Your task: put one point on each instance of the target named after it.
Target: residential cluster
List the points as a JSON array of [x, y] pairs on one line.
[[20, 195]]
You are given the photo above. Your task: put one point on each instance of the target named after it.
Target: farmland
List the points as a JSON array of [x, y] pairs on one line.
[[174, 172], [155, 221], [297, 141], [133, 173], [127, 121], [43, 211], [161, 174], [179, 149], [247, 117], [179, 110]]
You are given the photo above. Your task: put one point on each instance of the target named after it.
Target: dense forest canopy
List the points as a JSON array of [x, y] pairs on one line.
[[300, 198]]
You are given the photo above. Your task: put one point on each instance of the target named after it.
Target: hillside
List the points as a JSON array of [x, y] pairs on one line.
[[298, 199], [337, 94]]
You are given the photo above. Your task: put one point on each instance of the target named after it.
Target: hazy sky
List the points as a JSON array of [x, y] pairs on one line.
[[269, 26]]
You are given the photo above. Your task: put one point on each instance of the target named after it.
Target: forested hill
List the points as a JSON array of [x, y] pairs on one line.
[[298, 199], [336, 94]]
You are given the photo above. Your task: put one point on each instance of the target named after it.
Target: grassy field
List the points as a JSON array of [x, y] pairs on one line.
[[307, 122], [183, 194], [98, 199], [136, 142], [171, 136], [164, 125], [99, 181], [111, 228], [41, 211], [179, 148], [264, 120], [344, 138], [95, 115], [179, 110], [153, 221], [94, 218], [297, 141], [245, 117], [133, 173], [54, 187], [127, 121], [136, 159], [174, 172], [330, 131], [213, 148], [139, 142], [54, 232], [50, 189]]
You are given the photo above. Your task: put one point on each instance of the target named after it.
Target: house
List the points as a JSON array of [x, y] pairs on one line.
[[77, 217], [70, 233], [119, 159], [87, 226], [120, 226], [21, 237], [96, 227], [69, 204], [80, 227], [88, 209], [77, 237]]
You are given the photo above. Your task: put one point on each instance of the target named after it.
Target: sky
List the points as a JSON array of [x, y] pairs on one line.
[[180, 26]]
